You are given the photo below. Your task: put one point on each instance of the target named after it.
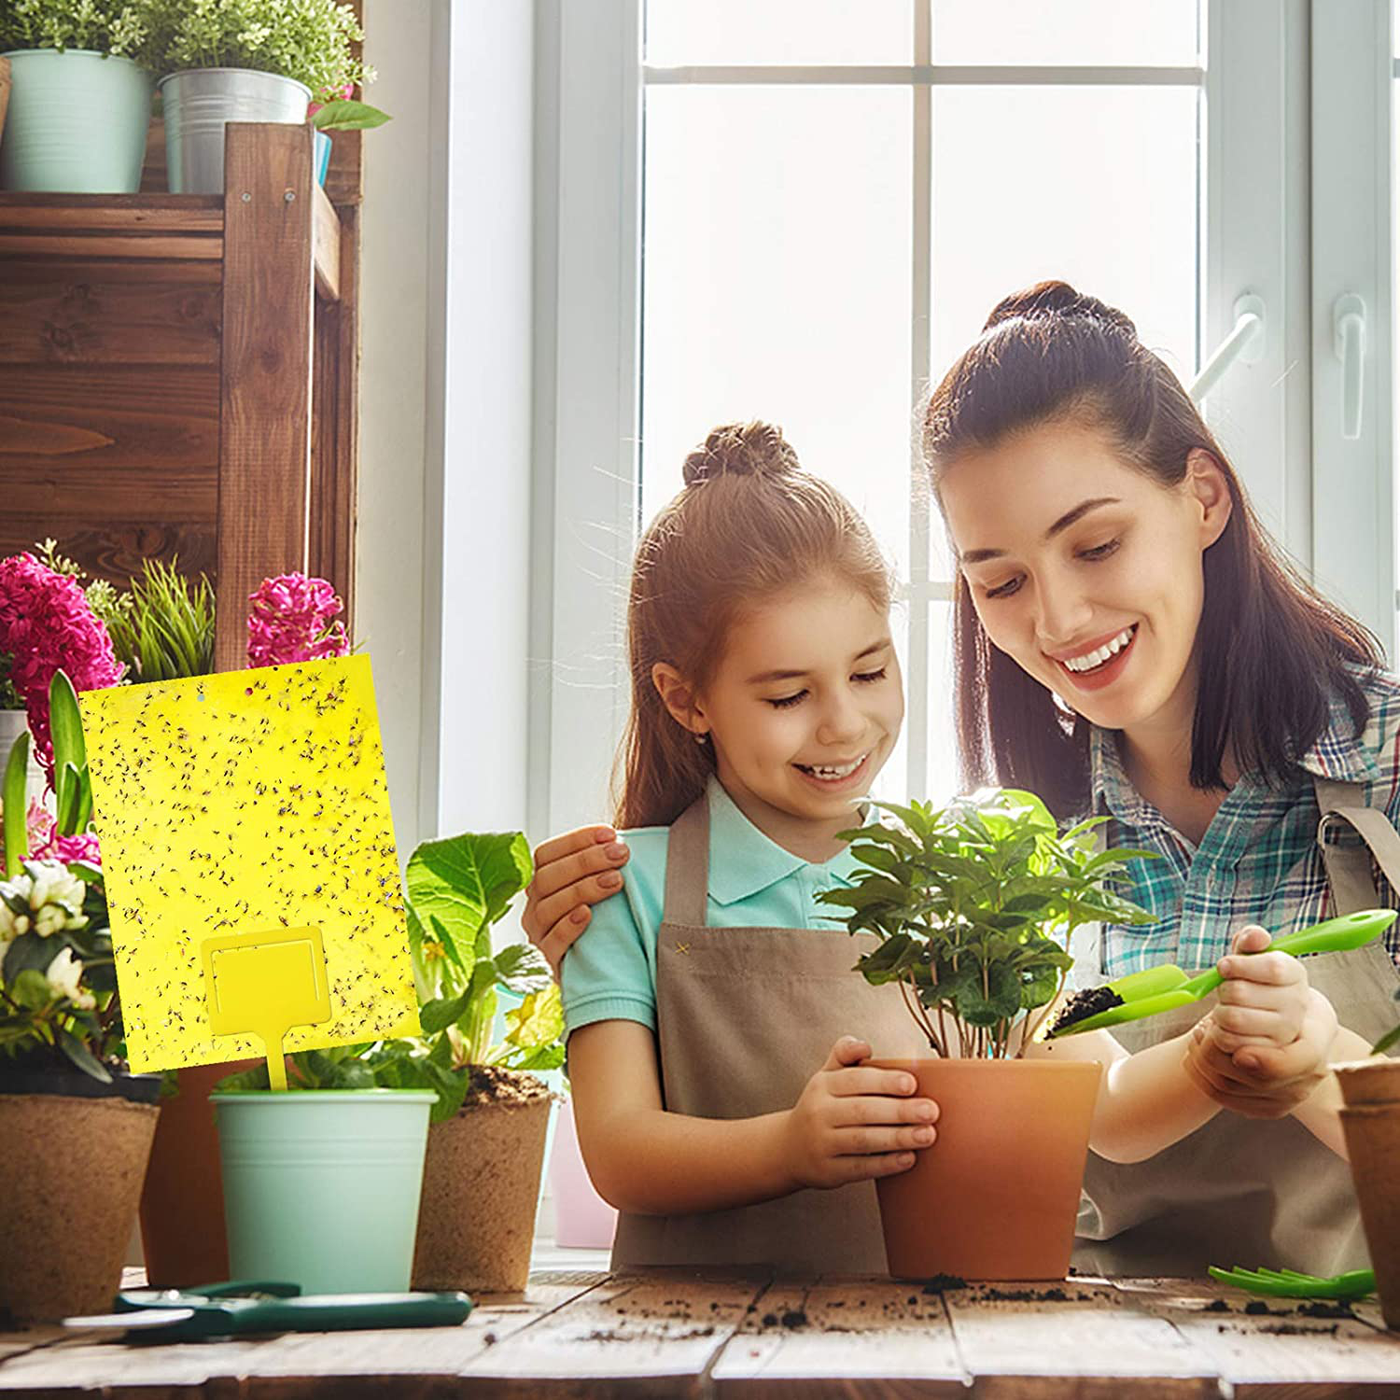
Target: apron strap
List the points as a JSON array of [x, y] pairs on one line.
[[1349, 867], [688, 866]]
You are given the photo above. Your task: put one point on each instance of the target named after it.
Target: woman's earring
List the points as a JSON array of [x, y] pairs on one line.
[[702, 739]]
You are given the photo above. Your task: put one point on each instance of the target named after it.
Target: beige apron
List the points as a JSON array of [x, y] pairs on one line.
[[1241, 1190], [745, 1017]]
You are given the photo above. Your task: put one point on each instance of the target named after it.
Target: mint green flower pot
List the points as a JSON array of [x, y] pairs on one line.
[[76, 123], [321, 1186]]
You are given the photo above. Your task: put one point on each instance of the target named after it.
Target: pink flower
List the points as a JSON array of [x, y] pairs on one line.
[[291, 620], [81, 846], [39, 823], [45, 623]]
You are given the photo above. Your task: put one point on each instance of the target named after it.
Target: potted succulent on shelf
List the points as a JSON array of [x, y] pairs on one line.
[[243, 61], [76, 1126], [1371, 1122], [972, 908], [80, 95]]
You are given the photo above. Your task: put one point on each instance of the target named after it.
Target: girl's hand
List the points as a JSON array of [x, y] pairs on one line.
[[846, 1126], [571, 872]]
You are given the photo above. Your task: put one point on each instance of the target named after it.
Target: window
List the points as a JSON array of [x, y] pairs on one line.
[[802, 210]]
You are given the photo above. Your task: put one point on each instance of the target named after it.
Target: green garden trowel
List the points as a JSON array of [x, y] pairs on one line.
[[1165, 988]]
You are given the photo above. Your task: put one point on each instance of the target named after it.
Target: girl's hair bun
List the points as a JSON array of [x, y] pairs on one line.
[[1047, 299], [741, 449]]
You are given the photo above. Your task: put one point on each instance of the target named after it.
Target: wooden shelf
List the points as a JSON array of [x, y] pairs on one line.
[[163, 227], [178, 376]]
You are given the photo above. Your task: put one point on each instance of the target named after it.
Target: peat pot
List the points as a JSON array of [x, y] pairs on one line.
[[76, 123], [75, 1155], [1371, 1122], [481, 1187], [200, 103], [321, 1186], [997, 1195]]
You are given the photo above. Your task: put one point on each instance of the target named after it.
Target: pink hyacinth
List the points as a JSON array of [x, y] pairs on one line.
[[292, 619], [39, 825], [80, 846], [46, 623]]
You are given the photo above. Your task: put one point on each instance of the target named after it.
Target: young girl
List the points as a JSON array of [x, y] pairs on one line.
[[712, 1013]]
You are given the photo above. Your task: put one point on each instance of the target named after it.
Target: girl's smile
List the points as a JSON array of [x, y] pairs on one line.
[[803, 711]]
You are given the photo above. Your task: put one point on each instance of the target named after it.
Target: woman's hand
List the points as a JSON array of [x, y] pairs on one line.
[[1264, 1049], [572, 872], [847, 1125]]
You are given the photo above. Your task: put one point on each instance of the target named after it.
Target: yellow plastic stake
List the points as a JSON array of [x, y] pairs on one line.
[[264, 983]]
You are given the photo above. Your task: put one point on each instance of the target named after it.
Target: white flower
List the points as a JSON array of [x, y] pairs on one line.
[[64, 974], [54, 918], [54, 884], [12, 924]]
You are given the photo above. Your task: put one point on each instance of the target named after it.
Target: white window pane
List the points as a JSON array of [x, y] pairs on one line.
[[779, 31], [1097, 186], [777, 284], [941, 782], [1160, 33]]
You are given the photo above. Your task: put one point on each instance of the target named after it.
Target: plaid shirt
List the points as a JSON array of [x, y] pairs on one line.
[[1258, 863]]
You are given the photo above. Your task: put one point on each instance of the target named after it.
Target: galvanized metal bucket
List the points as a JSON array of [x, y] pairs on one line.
[[76, 123], [200, 102]]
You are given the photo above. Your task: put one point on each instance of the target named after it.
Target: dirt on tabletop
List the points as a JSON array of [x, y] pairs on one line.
[[490, 1084]]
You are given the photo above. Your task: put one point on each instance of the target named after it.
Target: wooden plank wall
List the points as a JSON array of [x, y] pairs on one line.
[[109, 409]]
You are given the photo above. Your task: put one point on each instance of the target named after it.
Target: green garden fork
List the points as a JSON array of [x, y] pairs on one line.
[[1286, 1283]]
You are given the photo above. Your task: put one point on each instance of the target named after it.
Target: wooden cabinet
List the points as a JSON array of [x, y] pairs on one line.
[[178, 375]]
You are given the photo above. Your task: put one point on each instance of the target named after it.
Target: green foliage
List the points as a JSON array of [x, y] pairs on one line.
[[51, 1009], [117, 27], [1390, 1039], [973, 906], [309, 40], [458, 888], [167, 630], [345, 115]]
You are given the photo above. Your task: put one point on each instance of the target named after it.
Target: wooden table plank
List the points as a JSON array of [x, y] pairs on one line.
[[1275, 1348], [1082, 1338], [407, 1362], [652, 1335], [812, 1340]]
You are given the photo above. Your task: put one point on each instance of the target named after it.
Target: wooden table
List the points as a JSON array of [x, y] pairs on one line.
[[729, 1334]]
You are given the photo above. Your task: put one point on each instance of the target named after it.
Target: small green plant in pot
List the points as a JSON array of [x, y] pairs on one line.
[[486, 1145], [80, 98], [76, 1125], [244, 61], [971, 909], [1371, 1122]]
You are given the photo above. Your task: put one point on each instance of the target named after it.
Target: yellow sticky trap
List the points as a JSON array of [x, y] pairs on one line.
[[264, 983]]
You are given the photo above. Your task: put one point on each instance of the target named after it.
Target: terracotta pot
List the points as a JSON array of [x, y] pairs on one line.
[[182, 1203], [996, 1197], [1371, 1122], [481, 1188], [73, 1172]]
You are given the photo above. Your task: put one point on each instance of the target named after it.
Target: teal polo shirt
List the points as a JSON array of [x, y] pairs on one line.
[[609, 974]]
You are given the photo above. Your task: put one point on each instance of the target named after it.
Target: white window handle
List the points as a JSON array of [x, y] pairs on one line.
[[1245, 343], [1349, 343]]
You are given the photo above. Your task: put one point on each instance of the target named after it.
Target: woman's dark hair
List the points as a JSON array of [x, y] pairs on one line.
[[749, 526], [1270, 650]]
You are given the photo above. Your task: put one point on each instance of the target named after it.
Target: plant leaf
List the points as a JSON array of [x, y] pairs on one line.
[[468, 881], [81, 1056], [65, 723], [13, 795]]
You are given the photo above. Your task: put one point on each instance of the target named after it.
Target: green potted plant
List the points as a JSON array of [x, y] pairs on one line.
[[341, 113], [1371, 1122], [486, 1145], [163, 628], [243, 61], [969, 910], [77, 1127], [489, 1116], [80, 98]]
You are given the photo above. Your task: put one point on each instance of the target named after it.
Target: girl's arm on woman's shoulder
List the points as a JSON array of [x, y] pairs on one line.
[[647, 1161]]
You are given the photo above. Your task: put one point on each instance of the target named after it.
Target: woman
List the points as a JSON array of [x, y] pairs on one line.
[[1128, 640]]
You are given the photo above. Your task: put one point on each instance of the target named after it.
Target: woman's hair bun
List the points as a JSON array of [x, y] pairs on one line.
[[741, 449], [1048, 299]]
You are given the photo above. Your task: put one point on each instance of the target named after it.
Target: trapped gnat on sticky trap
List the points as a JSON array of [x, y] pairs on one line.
[[245, 826]]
